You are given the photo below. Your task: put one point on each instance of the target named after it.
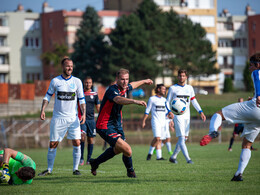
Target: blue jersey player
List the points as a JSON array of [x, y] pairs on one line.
[[109, 122], [89, 128], [247, 112]]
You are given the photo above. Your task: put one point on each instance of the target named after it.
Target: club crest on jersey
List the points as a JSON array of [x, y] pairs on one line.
[[72, 85], [91, 96]]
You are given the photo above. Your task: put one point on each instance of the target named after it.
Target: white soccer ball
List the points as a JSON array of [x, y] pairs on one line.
[[179, 106]]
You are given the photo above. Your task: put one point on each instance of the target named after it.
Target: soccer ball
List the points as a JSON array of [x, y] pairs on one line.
[[178, 106]]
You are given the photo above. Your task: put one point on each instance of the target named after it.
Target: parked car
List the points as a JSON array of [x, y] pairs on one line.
[[138, 93]]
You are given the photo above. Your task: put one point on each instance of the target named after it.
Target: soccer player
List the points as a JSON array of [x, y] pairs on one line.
[[157, 106], [182, 122], [89, 127], [166, 135], [109, 122], [238, 129], [247, 112], [67, 90], [18, 168]]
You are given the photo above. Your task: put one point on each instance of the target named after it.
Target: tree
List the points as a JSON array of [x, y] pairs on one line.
[[90, 54], [228, 85], [53, 58], [247, 78], [132, 49]]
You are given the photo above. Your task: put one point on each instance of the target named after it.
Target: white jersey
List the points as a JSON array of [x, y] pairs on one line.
[[67, 93], [178, 91], [157, 106]]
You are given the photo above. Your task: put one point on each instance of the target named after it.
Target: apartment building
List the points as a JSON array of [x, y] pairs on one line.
[[20, 47]]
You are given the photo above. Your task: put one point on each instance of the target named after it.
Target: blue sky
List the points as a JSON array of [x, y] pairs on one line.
[[235, 7]]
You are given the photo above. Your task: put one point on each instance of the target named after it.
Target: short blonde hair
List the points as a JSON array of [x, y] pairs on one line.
[[122, 71]]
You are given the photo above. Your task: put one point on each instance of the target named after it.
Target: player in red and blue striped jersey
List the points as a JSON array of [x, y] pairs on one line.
[[247, 112], [109, 122]]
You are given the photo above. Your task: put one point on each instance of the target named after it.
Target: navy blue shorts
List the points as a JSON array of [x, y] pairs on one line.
[[111, 135], [89, 127]]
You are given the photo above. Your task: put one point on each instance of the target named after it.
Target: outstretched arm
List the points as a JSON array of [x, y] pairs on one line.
[[136, 84], [8, 153], [126, 101]]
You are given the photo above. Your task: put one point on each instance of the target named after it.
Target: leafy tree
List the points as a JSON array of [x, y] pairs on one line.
[[53, 58], [90, 54], [228, 85], [132, 49], [247, 78]]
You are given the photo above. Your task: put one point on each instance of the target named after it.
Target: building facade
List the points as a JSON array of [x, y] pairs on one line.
[[254, 34], [20, 47]]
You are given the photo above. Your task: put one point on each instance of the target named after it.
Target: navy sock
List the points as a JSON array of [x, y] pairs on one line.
[[231, 142], [128, 162], [90, 151], [109, 153], [82, 146]]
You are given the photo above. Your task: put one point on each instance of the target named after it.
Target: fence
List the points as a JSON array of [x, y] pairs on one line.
[[35, 133]]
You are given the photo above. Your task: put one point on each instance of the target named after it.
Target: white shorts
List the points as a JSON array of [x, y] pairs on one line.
[[60, 126], [247, 113], [166, 131], [157, 128], [182, 126]]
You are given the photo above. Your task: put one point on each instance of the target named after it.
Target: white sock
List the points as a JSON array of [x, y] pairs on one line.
[[181, 142], [51, 157], [76, 157], [151, 150], [176, 151], [215, 122], [158, 153], [168, 146], [244, 159]]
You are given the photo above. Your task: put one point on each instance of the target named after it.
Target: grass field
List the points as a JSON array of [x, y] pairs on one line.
[[214, 167]]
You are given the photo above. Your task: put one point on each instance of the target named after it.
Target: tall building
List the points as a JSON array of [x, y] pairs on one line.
[[254, 34], [234, 46], [199, 11], [20, 47]]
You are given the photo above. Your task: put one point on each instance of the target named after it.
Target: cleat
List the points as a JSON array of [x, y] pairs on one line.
[[93, 166], [81, 163], [237, 178], [230, 149], [161, 158], [190, 162], [87, 163], [173, 160], [207, 138], [131, 174], [76, 172], [4, 176], [44, 173], [170, 153], [149, 156]]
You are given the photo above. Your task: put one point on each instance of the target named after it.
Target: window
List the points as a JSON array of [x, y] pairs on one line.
[[225, 61], [2, 59], [32, 42], [34, 61], [30, 24], [253, 43], [2, 78], [211, 38], [204, 21], [253, 26], [2, 41], [30, 77], [224, 43], [200, 4]]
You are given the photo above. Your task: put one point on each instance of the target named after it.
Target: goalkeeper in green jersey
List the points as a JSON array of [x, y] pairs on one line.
[[16, 167]]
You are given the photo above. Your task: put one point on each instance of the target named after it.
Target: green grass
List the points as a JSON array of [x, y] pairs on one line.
[[214, 167]]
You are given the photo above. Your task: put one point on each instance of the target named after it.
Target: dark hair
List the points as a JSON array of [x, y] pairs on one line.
[[88, 77], [255, 58], [64, 60], [26, 173], [122, 71], [182, 71], [158, 86]]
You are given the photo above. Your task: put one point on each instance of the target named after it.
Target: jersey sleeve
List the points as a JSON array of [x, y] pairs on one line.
[[25, 160], [169, 95], [111, 93], [80, 92], [50, 91], [256, 80], [194, 101], [149, 106]]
